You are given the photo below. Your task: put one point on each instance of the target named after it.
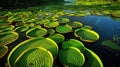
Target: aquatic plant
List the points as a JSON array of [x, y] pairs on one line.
[[46, 34], [3, 51], [64, 28], [93, 59], [73, 43], [71, 57], [8, 37], [111, 44], [31, 45], [75, 24], [36, 32], [86, 35]]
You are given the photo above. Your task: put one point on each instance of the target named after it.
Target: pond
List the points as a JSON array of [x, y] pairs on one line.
[[50, 26]]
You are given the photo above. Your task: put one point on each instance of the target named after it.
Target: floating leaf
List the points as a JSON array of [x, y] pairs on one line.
[[73, 43], [86, 35], [3, 51], [93, 59], [21, 28], [75, 24], [36, 32], [36, 57], [57, 38], [8, 37], [50, 31], [63, 20], [64, 29], [71, 57], [6, 28], [46, 43], [51, 24], [110, 44]]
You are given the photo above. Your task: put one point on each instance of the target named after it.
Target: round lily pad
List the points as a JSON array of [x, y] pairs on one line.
[[46, 43], [3, 51], [51, 24], [36, 57], [87, 27], [75, 24], [110, 44], [36, 32], [50, 31], [86, 35], [21, 28], [93, 60], [71, 57], [64, 29], [73, 43], [4, 22], [7, 28], [63, 20], [57, 37], [8, 37]]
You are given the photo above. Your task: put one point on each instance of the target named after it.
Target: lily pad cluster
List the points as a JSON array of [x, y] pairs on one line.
[[49, 37]]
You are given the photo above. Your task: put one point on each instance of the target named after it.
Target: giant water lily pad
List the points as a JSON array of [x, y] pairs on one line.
[[75, 24], [21, 28], [36, 32], [71, 57], [110, 44], [4, 22], [64, 29], [63, 20], [46, 43], [57, 37], [73, 43], [3, 51], [51, 24], [93, 60], [50, 31], [6, 28], [36, 57], [116, 13], [86, 35], [8, 37]]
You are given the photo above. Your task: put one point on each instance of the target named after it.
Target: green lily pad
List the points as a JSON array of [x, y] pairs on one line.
[[86, 35], [4, 22], [93, 60], [8, 37], [36, 32], [64, 29], [71, 57], [75, 24], [57, 38], [3, 51], [21, 28], [73, 43], [7, 28], [30, 25], [51, 24], [50, 31], [116, 13], [87, 27], [46, 43], [63, 20], [19, 24], [36, 57], [110, 44]]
